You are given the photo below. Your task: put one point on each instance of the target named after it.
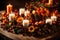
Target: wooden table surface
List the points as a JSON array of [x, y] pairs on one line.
[[20, 36]]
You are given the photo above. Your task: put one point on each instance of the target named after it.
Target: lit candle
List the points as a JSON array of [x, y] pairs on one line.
[[21, 11], [27, 12], [12, 15], [33, 12], [54, 18], [49, 21], [50, 2], [9, 8], [26, 23]]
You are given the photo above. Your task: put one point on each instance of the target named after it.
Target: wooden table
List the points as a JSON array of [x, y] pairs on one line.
[[20, 36]]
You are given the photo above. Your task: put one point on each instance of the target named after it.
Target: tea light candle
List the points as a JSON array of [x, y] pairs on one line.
[[9, 8], [10, 16], [49, 21], [21, 11], [27, 12], [25, 23], [54, 18]]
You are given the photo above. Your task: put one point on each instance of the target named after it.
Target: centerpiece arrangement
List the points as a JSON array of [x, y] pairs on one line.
[[32, 20]]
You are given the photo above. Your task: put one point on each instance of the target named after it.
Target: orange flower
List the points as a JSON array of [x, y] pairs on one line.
[[19, 20]]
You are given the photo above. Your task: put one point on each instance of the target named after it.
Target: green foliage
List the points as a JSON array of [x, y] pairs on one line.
[[17, 30], [8, 26]]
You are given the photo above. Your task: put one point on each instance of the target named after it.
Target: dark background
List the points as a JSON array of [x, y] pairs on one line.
[[16, 3]]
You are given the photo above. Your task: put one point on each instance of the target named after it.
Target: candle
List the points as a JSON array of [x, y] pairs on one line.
[[9, 8], [50, 2], [21, 11], [33, 12], [49, 21], [27, 12], [54, 18], [12, 15], [26, 23]]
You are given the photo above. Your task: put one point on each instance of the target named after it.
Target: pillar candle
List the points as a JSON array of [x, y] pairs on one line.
[[21, 11], [25, 23], [54, 18], [10, 16], [27, 12], [9, 8], [49, 21]]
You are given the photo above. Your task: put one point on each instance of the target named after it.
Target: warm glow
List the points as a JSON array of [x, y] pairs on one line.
[[49, 21], [21, 11], [50, 2], [12, 15], [26, 23], [9, 8], [27, 12], [54, 18]]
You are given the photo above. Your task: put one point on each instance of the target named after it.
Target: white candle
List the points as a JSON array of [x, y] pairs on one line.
[[49, 21], [26, 23], [9, 8], [10, 16], [54, 18], [33, 12], [27, 12], [21, 11]]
